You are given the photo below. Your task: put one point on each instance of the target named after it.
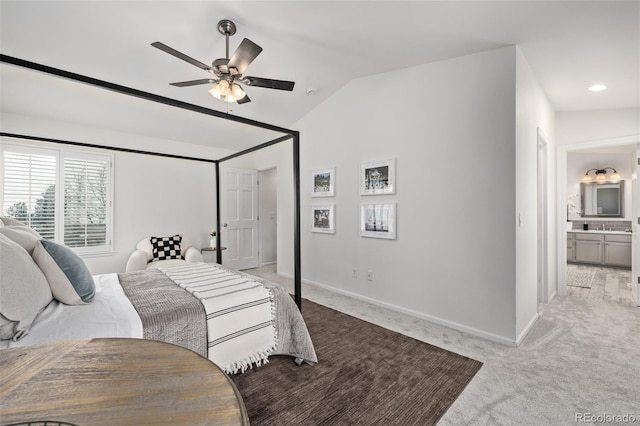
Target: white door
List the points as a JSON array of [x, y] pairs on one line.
[[635, 226], [239, 222]]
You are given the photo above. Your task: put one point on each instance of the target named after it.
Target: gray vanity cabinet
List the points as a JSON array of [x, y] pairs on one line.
[[599, 249], [571, 247], [589, 248], [617, 250]]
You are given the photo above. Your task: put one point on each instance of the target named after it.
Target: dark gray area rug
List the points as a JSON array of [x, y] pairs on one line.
[[366, 375]]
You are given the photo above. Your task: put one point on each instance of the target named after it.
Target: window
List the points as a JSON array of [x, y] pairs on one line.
[[64, 195]]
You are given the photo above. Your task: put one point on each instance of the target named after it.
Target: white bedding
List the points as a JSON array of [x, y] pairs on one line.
[[110, 314]]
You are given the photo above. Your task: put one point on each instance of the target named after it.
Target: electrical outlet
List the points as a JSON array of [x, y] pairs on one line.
[[354, 272], [369, 275]]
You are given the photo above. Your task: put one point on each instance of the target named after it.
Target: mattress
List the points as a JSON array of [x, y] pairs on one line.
[[111, 314]]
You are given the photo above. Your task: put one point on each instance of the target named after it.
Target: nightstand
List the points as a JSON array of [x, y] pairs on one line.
[[211, 250]]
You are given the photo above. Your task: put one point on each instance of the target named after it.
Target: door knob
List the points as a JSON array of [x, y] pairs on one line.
[[224, 224]]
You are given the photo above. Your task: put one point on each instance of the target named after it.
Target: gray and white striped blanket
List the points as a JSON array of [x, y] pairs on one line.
[[240, 314]]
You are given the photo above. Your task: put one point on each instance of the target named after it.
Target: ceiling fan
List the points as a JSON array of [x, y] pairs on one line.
[[227, 72]]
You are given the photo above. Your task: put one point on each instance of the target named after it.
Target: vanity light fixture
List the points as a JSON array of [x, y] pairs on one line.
[[601, 174]]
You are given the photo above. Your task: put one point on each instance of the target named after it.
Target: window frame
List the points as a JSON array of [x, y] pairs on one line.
[[61, 154]]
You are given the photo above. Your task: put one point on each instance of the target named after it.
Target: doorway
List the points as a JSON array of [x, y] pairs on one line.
[[564, 192]]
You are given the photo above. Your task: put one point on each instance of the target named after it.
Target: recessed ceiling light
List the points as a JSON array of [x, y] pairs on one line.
[[597, 88]]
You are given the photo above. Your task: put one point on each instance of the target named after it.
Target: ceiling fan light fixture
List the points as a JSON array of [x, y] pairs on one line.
[[222, 91], [215, 92], [238, 92], [224, 87]]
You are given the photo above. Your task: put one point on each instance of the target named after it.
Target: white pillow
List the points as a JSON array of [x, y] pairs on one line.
[[24, 288]]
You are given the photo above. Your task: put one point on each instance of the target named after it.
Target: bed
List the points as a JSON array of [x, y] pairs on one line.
[[147, 304], [166, 304]]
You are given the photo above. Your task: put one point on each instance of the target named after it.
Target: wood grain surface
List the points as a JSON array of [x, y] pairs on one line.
[[115, 382]]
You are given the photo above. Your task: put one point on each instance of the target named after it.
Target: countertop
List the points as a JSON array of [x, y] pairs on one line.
[[599, 231]]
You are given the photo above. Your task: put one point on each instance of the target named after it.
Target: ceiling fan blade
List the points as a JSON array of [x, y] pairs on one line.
[[194, 82], [244, 100], [180, 55], [269, 83], [244, 55]]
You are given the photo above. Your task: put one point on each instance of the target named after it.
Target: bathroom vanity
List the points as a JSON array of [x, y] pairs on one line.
[[605, 248]]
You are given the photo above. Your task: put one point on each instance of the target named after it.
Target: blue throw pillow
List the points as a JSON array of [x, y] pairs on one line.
[[72, 266]]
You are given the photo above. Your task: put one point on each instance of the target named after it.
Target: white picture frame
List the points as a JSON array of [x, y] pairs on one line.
[[323, 182], [378, 177], [378, 220], [323, 218]]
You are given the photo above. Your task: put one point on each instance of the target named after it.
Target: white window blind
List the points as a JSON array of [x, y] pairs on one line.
[[85, 202], [64, 195], [29, 187]]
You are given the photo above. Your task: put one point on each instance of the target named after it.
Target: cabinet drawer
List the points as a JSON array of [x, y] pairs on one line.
[[588, 237], [614, 238], [571, 243], [571, 236]]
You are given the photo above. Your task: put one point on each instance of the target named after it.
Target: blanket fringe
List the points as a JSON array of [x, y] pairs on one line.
[[259, 358]]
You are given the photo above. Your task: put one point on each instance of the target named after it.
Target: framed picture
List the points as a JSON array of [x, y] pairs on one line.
[[378, 220], [323, 219], [323, 182], [378, 177]]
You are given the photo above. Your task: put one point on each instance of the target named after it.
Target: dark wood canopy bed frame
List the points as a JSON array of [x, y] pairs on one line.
[[288, 134]]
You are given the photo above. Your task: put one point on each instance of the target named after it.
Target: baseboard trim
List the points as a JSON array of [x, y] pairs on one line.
[[527, 328], [436, 320]]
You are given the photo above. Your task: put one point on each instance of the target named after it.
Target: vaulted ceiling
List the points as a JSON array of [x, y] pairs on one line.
[[321, 45]]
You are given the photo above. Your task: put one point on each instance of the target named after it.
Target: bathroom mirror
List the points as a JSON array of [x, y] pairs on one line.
[[602, 199]]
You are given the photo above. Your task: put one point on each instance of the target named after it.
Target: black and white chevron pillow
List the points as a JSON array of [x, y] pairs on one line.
[[166, 247]]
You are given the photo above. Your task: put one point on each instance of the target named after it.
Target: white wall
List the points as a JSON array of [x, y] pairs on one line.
[[533, 111], [152, 195], [37, 126], [156, 196], [279, 156], [581, 126], [453, 135]]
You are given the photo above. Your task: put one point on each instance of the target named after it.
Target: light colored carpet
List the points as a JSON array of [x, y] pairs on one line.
[[579, 277], [581, 356]]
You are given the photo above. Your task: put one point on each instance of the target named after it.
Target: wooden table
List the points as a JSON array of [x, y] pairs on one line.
[[115, 382]]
